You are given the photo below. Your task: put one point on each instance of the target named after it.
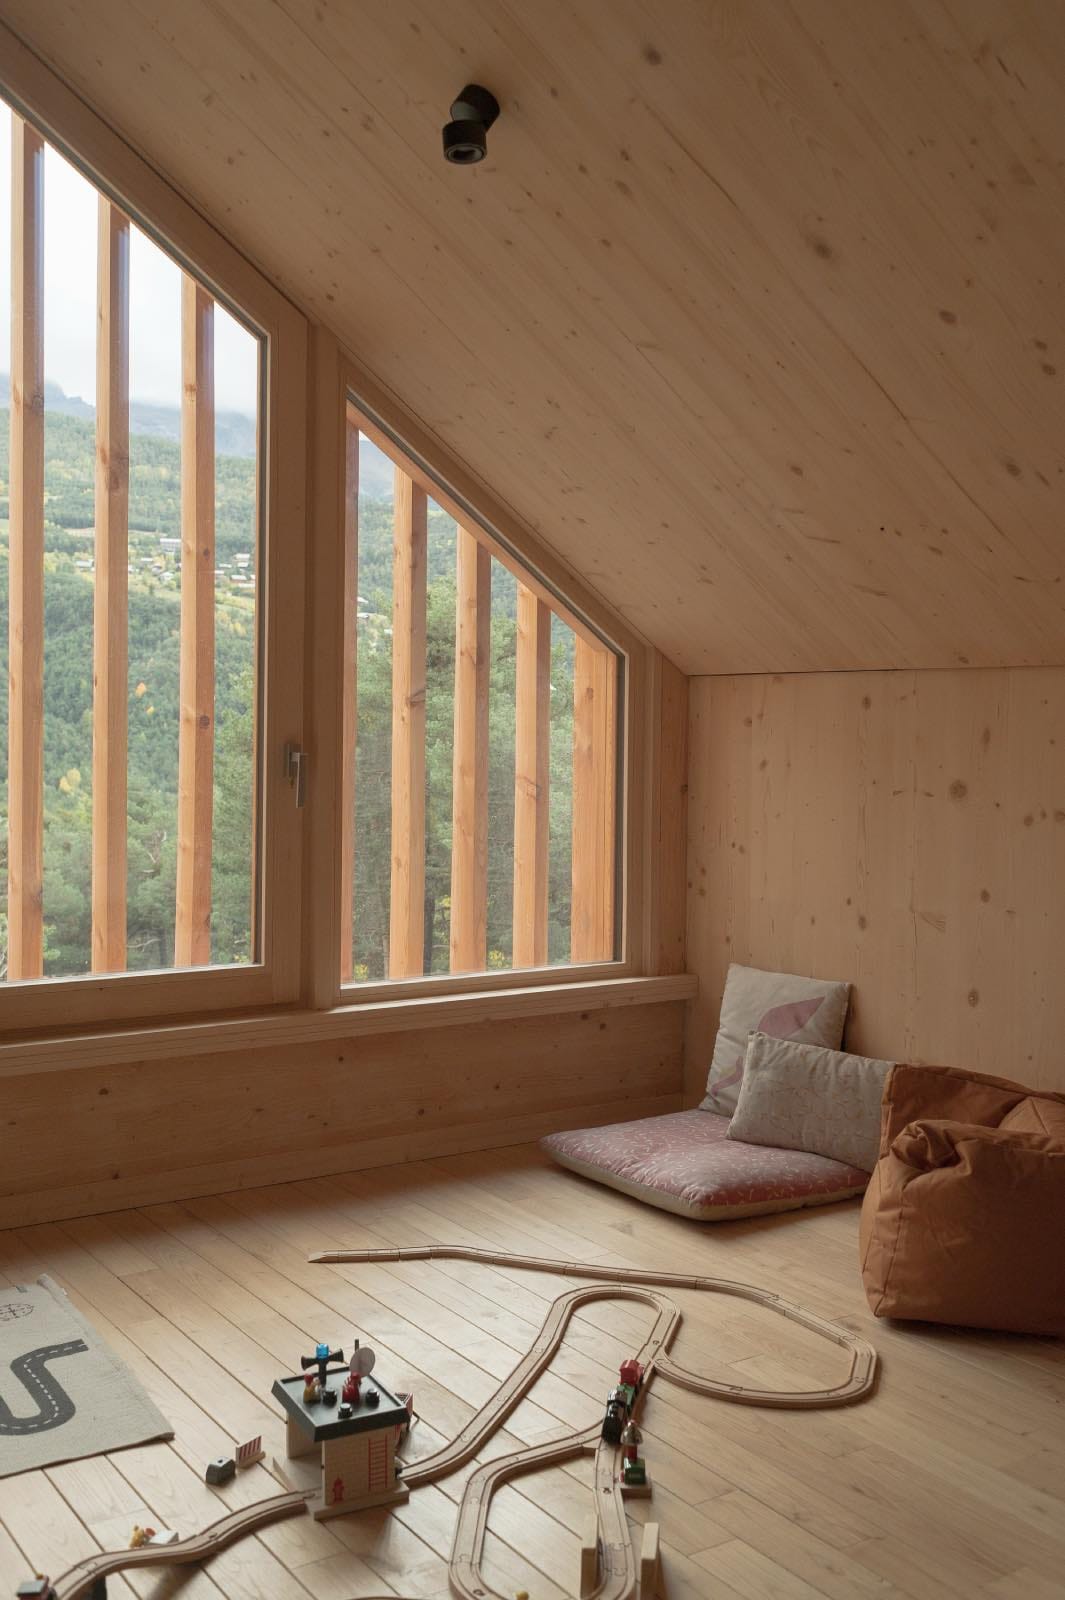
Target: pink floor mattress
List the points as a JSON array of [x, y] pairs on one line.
[[684, 1162]]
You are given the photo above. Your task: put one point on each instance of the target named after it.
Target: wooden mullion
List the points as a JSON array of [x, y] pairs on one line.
[[532, 778], [350, 700], [26, 559], [192, 941], [406, 951], [111, 594], [469, 836], [594, 787]]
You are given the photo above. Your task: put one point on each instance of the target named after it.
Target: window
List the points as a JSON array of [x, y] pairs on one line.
[[474, 743], [481, 752], [128, 558], [140, 831]]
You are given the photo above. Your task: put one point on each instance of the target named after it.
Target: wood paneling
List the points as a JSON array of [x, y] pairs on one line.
[[160, 1129], [752, 312], [904, 831], [25, 749], [110, 594], [667, 819]]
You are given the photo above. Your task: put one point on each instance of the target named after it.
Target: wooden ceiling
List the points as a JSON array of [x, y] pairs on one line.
[[754, 310]]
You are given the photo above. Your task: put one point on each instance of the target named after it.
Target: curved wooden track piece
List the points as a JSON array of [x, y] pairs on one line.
[[855, 1386], [495, 1412], [80, 1579], [617, 1568]]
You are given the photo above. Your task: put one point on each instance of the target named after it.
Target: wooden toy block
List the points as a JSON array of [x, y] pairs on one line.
[[636, 1491], [220, 1470], [297, 1443], [589, 1557], [250, 1452], [650, 1562], [355, 1439]]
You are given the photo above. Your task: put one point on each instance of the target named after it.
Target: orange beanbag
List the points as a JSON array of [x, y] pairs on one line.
[[964, 1217]]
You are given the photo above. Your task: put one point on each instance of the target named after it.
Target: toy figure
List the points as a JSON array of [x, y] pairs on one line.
[[140, 1536], [631, 1439], [321, 1358], [350, 1395], [312, 1389]]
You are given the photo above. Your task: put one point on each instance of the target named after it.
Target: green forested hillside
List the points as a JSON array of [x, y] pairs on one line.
[[154, 608], [372, 792], [154, 613]]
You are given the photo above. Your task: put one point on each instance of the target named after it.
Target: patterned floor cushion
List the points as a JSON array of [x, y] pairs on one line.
[[684, 1163]]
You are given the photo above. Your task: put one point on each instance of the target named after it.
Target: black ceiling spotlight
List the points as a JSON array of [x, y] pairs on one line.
[[466, 135]]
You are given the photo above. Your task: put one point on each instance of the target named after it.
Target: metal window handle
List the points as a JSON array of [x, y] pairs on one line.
[[296, 771]]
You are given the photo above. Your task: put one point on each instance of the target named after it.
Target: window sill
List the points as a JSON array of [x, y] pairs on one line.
[[95, 1048]]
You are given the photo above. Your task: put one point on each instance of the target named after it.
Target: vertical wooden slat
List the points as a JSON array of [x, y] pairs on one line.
[[594, 780], [350, 693], [26, 559], [469, 834], [192, 940], [406, 942], [110, 644], [532, 777]]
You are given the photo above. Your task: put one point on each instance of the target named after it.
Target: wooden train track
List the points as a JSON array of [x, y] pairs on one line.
[[616, 1568], [78, 1582], [617, 1577]]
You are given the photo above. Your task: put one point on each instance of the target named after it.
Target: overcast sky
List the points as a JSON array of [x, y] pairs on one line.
[[70, 300]]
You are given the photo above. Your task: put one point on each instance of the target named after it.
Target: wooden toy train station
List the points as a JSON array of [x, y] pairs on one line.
[[354, 1421]]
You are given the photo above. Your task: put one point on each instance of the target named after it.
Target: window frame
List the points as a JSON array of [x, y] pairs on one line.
[[338, 378], [35, 94]]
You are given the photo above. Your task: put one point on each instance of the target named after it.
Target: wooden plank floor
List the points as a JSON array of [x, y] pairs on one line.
[[949, 1482]]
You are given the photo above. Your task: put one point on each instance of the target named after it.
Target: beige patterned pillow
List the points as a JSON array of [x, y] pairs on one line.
[[802, 1097], [778, 1003]]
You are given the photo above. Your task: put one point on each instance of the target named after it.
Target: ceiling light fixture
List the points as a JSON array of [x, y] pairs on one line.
[[466, 135]]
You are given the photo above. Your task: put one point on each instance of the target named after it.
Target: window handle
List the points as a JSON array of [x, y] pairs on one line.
[[296, 772]]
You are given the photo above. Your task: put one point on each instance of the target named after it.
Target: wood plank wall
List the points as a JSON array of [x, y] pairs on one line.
[[903, 830], [162, 1129]]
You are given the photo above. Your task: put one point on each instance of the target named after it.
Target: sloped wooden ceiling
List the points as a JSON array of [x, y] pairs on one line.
[[754, 311]]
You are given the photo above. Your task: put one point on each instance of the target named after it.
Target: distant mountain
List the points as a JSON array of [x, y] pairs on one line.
[[234, 432], [377, 475]]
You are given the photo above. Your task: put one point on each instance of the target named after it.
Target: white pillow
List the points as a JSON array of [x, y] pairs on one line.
[[803, 1097], [811, 1009]]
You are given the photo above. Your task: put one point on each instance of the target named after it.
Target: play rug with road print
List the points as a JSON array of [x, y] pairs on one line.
[[63, 1393]]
